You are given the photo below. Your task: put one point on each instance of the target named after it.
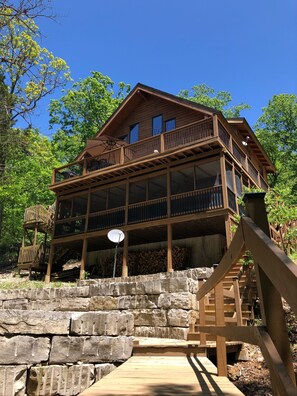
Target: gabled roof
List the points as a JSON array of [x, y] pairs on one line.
[[141, 92], [246, 132]]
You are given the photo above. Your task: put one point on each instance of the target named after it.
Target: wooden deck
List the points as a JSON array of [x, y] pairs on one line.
[[164, 375]]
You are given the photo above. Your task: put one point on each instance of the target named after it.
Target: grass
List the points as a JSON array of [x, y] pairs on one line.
[[9, 284]]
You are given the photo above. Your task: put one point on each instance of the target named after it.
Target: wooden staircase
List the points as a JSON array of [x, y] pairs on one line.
[[239, 291], [33, 253]]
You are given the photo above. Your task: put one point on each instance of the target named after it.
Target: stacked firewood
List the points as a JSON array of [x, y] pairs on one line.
[[144, 262]]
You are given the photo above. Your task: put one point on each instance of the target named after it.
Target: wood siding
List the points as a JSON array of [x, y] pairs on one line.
[[151, 107]]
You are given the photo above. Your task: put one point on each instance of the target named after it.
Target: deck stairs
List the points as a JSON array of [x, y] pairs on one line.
[[33, 253], [247, 296]]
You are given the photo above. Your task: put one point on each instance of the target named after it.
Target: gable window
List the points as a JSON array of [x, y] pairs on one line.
[[170, 124], [134, 133], [157, 124]]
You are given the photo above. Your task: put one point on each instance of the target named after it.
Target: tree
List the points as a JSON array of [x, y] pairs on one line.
[[31, 72], [277, 132], [25, 181], [220, 100], [22, 9], [82, 111]]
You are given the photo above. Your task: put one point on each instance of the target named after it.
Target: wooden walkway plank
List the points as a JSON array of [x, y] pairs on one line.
[[164, 375]]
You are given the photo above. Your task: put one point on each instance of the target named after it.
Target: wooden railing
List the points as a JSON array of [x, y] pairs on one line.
[[153, 145], [30, 254], [38, 214], [276, 277]]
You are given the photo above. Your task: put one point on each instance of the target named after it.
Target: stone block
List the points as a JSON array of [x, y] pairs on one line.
[[60, 380], [90, 349], [138, 302], [150, 317], [103, 303], [101, 370], [24, 350], [102, 289], [184, 300], [179, 333], [179, 318], [13, 380], [33, 322], [75, 304], [102, 323], [21, 303]]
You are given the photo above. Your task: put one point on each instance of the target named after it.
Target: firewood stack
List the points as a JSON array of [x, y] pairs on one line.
[[144, 262]]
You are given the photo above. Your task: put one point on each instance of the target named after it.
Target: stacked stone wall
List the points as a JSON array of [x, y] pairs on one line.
[[60, 353], [61, 340]]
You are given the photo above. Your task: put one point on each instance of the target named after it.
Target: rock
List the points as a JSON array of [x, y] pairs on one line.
[[33, 322], [179, 318], [90, 349], [150, 317], [24, 350], [103, 369], [102, 323], [60, 380], [103, 303], [75, 304], [179, 333], [13, 380]]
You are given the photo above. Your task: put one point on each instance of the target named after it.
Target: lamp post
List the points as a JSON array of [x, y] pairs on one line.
[[115, 236]]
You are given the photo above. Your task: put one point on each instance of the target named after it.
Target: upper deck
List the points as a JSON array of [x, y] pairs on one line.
[[203, 136]]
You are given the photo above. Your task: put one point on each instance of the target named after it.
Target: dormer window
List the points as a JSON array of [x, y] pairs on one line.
[[134, 133], [157, 122], [170, 125]]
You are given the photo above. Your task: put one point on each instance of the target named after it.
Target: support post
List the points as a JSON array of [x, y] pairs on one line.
[[125, 255], [237, 301], [228, 229], [202, 315], [271, 306], [220, 321], [50, 264], [83, 259], [169, 248]]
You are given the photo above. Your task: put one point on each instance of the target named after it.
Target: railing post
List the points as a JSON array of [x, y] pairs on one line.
[[237, 301], [49, 265], [270, 299], [84, 167], [202, 315], [162, 143], [122, 155], [220, 321], [215, 125]]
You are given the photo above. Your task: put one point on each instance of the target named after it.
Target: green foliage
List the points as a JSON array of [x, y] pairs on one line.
[[220, 100], [9, 284], [25, 181], [82, 111], [277, 131], [31, 72]]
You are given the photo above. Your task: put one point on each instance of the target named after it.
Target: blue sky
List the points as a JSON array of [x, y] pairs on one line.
[[248, 48]]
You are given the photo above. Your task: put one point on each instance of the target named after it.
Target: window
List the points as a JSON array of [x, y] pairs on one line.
[[80, 205], [229, 176], [134, 132], [137, 192], [157, 124], [238, 184], [116, 197], [157, 187], [182, 181], [170, 124], [64, 209], [207, 175], [98, 201]]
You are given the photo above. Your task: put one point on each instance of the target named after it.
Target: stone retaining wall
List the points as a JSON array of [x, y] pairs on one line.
[[63, 353], [59, 341], [163, 305]]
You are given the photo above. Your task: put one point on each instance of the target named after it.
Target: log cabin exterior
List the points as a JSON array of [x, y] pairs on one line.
[[163, 169]]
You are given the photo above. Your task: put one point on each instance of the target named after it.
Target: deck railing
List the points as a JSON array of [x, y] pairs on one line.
[[29, 254], [38, 214], [191, 133], [276, 277]]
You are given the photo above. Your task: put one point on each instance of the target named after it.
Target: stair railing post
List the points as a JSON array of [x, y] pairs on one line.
[[237, 301], [220, 321], [271, 306], [202, 315]]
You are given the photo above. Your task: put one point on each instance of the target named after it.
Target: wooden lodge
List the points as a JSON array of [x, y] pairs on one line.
[[164, 170]]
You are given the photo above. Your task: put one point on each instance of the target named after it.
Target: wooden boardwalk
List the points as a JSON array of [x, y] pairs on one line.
[[164, 375]]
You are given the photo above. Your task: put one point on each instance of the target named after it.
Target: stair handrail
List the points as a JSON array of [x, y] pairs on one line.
[[276, 276]]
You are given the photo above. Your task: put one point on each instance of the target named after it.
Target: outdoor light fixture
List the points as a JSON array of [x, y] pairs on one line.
[[245, 141], [115, 236], [156, 151]]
